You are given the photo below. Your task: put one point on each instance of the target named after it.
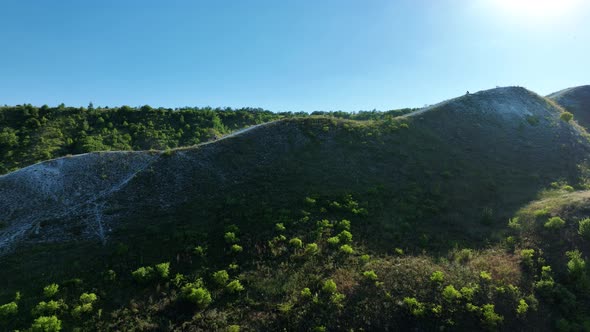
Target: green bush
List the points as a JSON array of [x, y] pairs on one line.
[[8, 309], [555, 223], [584, 228], [231, 237], [329, 286], [221, 277], [200, 251], [311, 249], [333, 241], [490, 318], [47, 308], [46, 324], [344, 225], [50, 291], [346, 249], [576, 265], [88, 298], [280, 227], [196, 294], [296, 242], [306, 293], [163, 270], [415, 307], [233, 328], [345, 236], [82, 309], [526, 256], [566, 116], [485, 276], [234, 286], [236, 248], [437, 277], [522, 308], [370, 275], [450, 294], [143, 274]]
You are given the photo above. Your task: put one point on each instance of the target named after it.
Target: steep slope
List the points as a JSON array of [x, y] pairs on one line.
[[577, 101]]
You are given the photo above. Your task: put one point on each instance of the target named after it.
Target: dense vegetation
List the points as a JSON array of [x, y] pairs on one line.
[[31, 134]]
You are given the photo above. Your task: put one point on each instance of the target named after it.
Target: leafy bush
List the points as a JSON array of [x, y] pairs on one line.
[[415, 307], [196, 294], [143, 274], [82, 309], [88, 298], [345, 236], [584, 228], [280, 227], [231, 237], [234, 286], [566, 116], [522, 308], [526, 256], [490, 318], [233, 328], [163, 270], [296, 242], [236, 248], [47, 308], [451, 294], [221, 277], [555, 223], [333, 241], [50, 291], [200, 251], [346, 249], [576, 265], [329, 286], [46, 324], [485, 276], [306, 293], [8, 309], [370, 275], [437, 277], [311, 249], [344, 225]]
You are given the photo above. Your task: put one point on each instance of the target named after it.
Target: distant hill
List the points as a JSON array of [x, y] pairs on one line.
[[424, 184], [577, 101]]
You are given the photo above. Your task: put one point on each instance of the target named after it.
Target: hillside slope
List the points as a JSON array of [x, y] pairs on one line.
[[577, 101], [447, 177]]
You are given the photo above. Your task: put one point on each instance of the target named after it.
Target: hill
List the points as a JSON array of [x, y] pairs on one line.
[[416, 189], [577, 101]]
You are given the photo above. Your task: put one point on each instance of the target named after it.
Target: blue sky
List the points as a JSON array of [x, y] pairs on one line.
[[295, 55]]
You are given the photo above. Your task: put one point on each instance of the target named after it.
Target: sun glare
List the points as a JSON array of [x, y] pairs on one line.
[[536, 9]]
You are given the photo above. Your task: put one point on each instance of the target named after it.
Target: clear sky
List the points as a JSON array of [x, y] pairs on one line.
[[286, 55]]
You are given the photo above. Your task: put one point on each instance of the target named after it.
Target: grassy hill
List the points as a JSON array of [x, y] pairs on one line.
[[577, 101], [426, 198]]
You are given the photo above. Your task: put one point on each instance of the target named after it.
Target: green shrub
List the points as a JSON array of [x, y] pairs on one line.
[[8, 309], [196, 294], [50, 291], [234, 286], [296, 242], [463, 256], [46, 324], [576, 265], [306, 293], [485, 276], [344, 225], [200, 251], [490, 318], [47, 308], [398, 251], [221, 277], [346, 249], [280, 227], [236, 248], [522, 308], [584, 228], [526, 255], [566, 116], [365, 258], [370, 275], [233, 328], [163, 270], [82, 309], [345, 236], [555, 223], [230, 237], [333, 241], [514, 223], [329, 286], [468, 292], [143, 274], [437, 277], [311, 249], [88, 298], [451, 294], [414, 306]]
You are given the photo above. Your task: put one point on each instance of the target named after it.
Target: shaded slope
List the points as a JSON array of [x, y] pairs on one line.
[[577, 101]]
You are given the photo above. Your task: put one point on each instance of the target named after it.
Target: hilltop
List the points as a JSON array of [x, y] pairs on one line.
[[415, 188]]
